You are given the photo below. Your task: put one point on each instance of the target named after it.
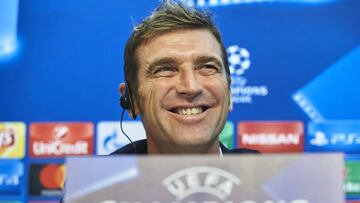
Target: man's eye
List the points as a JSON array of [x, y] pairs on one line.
[[164, 70], [210, 68]]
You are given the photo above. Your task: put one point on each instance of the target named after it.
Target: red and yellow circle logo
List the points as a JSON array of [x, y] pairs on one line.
[[52, 176]]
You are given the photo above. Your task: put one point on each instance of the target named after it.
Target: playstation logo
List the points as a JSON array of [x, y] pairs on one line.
[[319, 139]]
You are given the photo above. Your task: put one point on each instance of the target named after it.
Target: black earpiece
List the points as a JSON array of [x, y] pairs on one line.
[[126, 104], [126, 101]]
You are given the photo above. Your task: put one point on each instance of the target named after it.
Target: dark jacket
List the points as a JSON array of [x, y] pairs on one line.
[[141, 149]]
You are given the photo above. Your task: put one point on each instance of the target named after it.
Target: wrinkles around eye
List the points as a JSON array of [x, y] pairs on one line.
[[165, 71], [209, 69]]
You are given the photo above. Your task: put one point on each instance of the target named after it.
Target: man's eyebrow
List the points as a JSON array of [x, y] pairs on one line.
[[206, 59], [161, 61]]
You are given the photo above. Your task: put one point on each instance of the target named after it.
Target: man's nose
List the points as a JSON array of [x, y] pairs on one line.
[[188, 85]]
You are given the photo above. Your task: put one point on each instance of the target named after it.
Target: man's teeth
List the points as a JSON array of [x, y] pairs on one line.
[[189, 111]]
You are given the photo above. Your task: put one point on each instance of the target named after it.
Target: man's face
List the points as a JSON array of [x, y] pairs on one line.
[[183, 95]]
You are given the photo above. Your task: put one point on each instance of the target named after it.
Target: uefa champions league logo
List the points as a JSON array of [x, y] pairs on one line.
[[239, 64], [239, 60], [216, 184], [202, 179]]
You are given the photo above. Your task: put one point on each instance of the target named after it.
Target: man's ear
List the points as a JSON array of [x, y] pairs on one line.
[[122, 89], [133, 103]]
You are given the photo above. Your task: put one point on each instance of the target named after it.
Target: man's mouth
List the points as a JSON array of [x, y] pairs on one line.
[[189, 110]]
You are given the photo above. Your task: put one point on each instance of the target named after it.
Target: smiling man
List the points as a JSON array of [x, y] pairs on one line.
[[178, 81]]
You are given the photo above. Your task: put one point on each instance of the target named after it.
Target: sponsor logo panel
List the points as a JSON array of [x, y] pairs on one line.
[[109, 136], [227, 135], [61, 139], [333, 136], [352, 180], [12, 139], [272, 136], [46, 179], [11, 178]]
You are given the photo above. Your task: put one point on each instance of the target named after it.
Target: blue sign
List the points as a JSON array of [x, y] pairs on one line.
[[11, 177], [333, 136]]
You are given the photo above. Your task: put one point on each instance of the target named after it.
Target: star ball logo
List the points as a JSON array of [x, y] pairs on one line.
[[203, 179], [47, 179], [239, 63]]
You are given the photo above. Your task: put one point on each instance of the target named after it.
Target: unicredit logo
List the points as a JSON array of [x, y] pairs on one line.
[[59, 139], [59, 148], [203, 179]]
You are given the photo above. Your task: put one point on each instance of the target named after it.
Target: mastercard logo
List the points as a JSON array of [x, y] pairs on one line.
[[52, 176]]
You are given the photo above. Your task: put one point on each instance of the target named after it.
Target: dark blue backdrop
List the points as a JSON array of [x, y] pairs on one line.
[[69, 59], [70, 55]]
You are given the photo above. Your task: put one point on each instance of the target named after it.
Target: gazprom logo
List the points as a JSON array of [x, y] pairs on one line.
[[203, 179]]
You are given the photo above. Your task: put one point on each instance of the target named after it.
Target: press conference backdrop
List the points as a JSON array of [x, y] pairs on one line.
[[294, 67]]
